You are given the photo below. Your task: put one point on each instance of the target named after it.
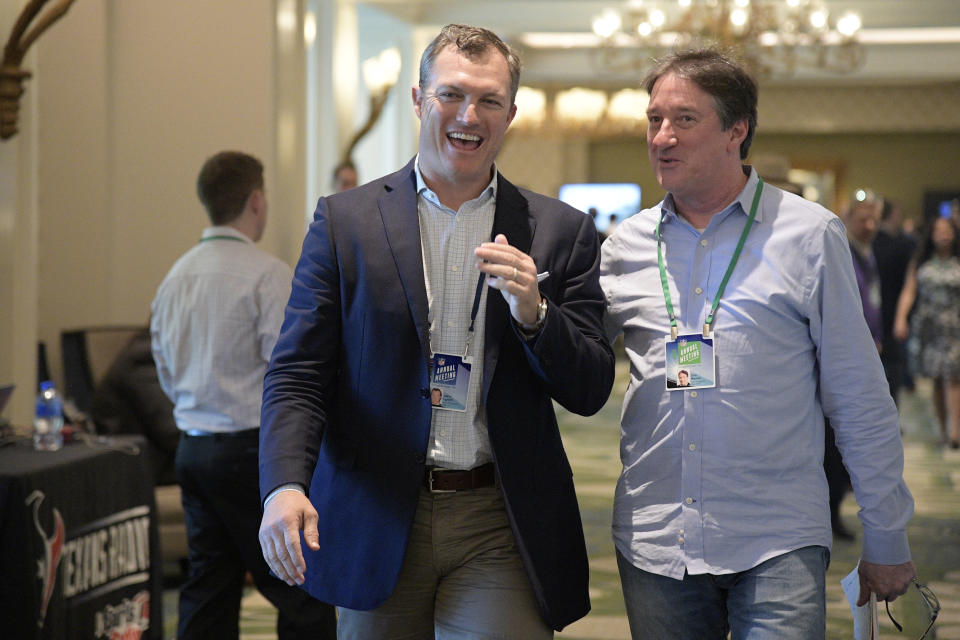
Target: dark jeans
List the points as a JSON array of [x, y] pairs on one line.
[[218, 477]]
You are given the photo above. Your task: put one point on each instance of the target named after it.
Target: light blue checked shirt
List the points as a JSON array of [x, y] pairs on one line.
[[719, 480], [458, 440]]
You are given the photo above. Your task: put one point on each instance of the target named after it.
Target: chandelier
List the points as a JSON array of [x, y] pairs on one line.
[[770, 37]]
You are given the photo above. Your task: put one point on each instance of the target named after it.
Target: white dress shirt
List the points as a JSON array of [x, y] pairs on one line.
[[215, 320]]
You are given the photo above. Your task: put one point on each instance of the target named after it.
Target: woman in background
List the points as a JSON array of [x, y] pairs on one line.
[[932, 286]]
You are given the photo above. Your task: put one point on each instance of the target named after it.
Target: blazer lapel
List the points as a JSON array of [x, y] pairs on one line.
[[401, 222], [512, 219]]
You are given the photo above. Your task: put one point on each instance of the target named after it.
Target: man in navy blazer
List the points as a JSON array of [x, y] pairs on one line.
[[452, 514]]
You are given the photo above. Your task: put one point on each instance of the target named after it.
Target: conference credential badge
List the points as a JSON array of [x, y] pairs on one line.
[[691, 363], [449, 381]]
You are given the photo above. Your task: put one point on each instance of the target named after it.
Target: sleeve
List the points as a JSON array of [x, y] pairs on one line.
[[164, 374], [571, 347], [856, 399], [273, 293], [298, 386], [610, 258]]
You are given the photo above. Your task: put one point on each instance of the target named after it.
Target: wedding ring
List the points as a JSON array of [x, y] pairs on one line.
[[514, 274]]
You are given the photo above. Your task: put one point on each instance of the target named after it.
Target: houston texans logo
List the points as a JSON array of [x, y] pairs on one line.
[[52, 548]]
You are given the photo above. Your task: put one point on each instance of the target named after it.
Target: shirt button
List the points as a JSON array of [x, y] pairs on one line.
[[456, 268], [689, 500], [698, 291], [693, 447], [703, 242], [680, 540], [693, 394]]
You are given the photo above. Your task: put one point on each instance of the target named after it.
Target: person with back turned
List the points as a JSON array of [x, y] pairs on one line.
[[721, 522], [447, 514], [215, 321]]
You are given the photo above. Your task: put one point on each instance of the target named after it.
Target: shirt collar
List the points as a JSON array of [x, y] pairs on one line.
[[223, 230], [744, 199], [490, 191]]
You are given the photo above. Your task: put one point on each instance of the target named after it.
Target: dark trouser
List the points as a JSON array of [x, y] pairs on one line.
[[838, 480], [218, 478], [893, 359]]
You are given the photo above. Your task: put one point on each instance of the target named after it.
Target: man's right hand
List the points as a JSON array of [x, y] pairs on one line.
[[284, 517]]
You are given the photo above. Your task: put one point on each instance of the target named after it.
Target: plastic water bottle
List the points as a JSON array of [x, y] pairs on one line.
[[48, 419]]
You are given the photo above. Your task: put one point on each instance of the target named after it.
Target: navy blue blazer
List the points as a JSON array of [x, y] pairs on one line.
[[346, 405]]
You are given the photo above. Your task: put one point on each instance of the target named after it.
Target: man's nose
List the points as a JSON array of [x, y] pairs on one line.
[[665, 135], [468, 113]]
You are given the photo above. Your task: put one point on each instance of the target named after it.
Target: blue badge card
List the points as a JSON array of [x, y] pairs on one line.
[[690, 363], [448, 382]]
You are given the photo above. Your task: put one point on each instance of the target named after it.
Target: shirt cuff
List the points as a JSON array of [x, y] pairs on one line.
[[885, 547], [290, 486]]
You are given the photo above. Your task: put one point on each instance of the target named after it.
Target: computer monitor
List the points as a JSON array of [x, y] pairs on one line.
[[612, 200]]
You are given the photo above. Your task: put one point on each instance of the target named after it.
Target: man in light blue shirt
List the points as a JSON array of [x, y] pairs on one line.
[[721, 517]]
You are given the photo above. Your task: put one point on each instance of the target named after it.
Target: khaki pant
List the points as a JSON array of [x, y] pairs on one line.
[[462, 578]]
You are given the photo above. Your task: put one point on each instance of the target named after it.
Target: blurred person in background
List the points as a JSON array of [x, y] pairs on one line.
[[893, 249], [344, 176], [932, 291]]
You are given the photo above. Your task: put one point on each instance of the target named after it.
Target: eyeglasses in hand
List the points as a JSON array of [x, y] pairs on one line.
[[929, 599]]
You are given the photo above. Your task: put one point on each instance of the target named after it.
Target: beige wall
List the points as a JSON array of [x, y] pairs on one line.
[[136, 94], [18, 247]]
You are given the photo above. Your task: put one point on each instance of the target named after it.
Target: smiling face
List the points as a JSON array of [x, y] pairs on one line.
[[464, 110], [692, 156], [683, 378]]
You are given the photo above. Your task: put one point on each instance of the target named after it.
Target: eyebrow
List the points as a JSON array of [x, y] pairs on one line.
[[459, 89]]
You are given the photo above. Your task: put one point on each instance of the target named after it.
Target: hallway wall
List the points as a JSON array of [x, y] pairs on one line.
[[133, 97]]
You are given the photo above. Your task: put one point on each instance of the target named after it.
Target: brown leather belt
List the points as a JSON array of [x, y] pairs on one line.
[[447, 480]]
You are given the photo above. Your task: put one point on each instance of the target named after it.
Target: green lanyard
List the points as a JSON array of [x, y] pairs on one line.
[[726, 276], [209, 238]]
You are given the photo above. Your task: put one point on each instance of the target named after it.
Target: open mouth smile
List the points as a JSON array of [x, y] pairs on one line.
[[464, 141]]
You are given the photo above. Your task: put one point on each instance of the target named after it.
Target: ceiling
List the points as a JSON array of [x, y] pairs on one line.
[[926, 24]]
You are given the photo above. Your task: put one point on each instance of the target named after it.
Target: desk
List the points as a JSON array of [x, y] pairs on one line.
[[79, 552]]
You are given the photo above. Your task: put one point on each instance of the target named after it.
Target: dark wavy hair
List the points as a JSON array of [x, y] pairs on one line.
[[926, 249], [734, 91]]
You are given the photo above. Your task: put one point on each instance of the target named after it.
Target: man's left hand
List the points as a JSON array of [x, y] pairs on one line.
[[888, 581], [514, 273]]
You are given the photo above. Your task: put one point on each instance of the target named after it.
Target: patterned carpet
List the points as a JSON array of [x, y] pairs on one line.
[[933, 475]]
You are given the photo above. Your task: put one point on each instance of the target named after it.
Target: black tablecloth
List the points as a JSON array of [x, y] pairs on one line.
[[79, 552]]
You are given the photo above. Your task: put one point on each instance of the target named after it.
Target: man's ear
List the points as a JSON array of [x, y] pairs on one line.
[[513, 113], [738, 133], [257, 199], [417, 96]]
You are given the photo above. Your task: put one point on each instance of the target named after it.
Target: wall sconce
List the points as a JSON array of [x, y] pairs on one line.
[[531, 108], [579, 108], [628, 109], [582, 111], [380, 74], [11, 75]]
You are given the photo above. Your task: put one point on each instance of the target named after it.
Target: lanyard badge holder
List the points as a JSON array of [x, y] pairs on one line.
[[690, 358], [449, 372]]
